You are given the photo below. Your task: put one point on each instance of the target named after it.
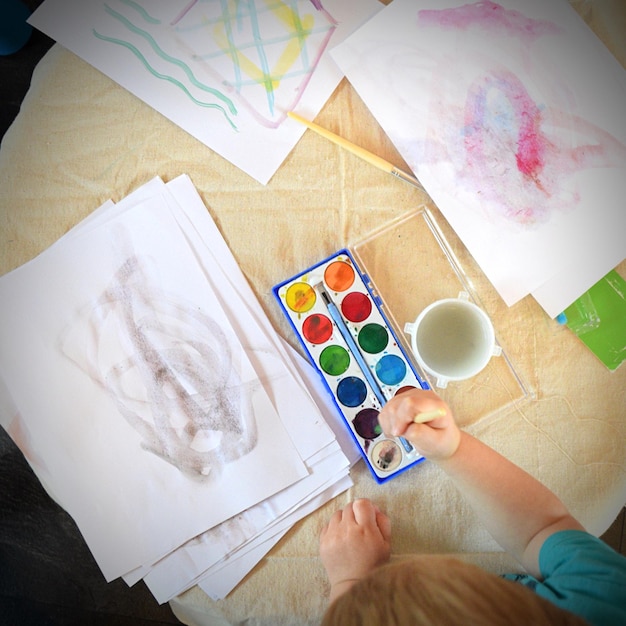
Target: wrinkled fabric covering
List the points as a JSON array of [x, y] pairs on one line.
[[81, 139]]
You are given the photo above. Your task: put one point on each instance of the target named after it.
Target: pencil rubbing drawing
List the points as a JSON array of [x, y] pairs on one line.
[[504, 137], [171, 372], [260, 54]]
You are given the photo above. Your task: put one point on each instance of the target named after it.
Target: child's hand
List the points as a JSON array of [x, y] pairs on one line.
[[437, 439], [355, 541]]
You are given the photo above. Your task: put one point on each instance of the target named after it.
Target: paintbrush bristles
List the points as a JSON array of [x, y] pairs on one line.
[[428, 416]]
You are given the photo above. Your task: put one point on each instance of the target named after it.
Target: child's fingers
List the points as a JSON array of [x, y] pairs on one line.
[[347, 513], [399, 414], [364, 512], [333, 522], [384, 524]]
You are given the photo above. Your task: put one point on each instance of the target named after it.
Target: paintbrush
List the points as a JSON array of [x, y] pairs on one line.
[[367, 156], [427, 416]]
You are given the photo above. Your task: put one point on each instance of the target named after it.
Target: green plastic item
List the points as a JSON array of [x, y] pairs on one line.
[[598, 318]]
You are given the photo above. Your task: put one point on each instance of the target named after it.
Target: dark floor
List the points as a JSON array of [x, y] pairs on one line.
[[47, 574]]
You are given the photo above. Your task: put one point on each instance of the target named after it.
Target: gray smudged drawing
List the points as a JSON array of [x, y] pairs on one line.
[[171, 372]]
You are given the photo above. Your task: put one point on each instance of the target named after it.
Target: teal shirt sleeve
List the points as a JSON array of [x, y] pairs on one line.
[[583, 575]]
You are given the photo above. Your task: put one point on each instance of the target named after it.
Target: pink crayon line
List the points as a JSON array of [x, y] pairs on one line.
[[183, 13]]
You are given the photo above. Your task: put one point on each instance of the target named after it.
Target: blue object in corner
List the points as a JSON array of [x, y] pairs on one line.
[[14, 30]]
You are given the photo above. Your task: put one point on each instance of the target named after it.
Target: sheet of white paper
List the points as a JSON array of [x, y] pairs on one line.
[[226, 72], [220, 582], [293, 401], [107, 329], [172, 574], [186, 195], [217, 585], [294, 404], [181, 570], [569, 284], [511, 114]]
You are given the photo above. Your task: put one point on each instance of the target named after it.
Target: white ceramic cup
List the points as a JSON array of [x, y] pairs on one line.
[[453, 339]]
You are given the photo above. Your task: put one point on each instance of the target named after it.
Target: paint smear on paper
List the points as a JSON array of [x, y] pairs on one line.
[[490, 17], [260, 72], [263, 52], [503, 138], [171, 372]]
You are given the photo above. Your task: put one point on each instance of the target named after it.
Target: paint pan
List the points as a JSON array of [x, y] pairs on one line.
[[341, 324]]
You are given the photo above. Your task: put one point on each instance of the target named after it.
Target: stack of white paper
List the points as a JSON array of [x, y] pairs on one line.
[[152, 398]]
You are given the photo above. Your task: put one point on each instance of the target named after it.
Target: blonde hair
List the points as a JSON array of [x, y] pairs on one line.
[[438, 590]]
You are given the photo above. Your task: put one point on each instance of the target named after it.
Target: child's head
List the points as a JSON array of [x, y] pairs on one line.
[[441, 590]]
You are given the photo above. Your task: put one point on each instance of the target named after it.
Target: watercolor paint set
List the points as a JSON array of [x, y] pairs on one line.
[[348, 312], [339, 320]]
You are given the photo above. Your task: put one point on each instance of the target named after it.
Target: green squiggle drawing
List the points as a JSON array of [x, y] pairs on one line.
[[157, 74], [159, 51], [146, 16]]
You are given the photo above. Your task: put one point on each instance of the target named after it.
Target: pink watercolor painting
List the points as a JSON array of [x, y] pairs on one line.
[[509, 141], [510, 114], [508, 138]]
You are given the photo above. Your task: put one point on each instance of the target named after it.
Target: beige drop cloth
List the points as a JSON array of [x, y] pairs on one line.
[[81, 139]]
